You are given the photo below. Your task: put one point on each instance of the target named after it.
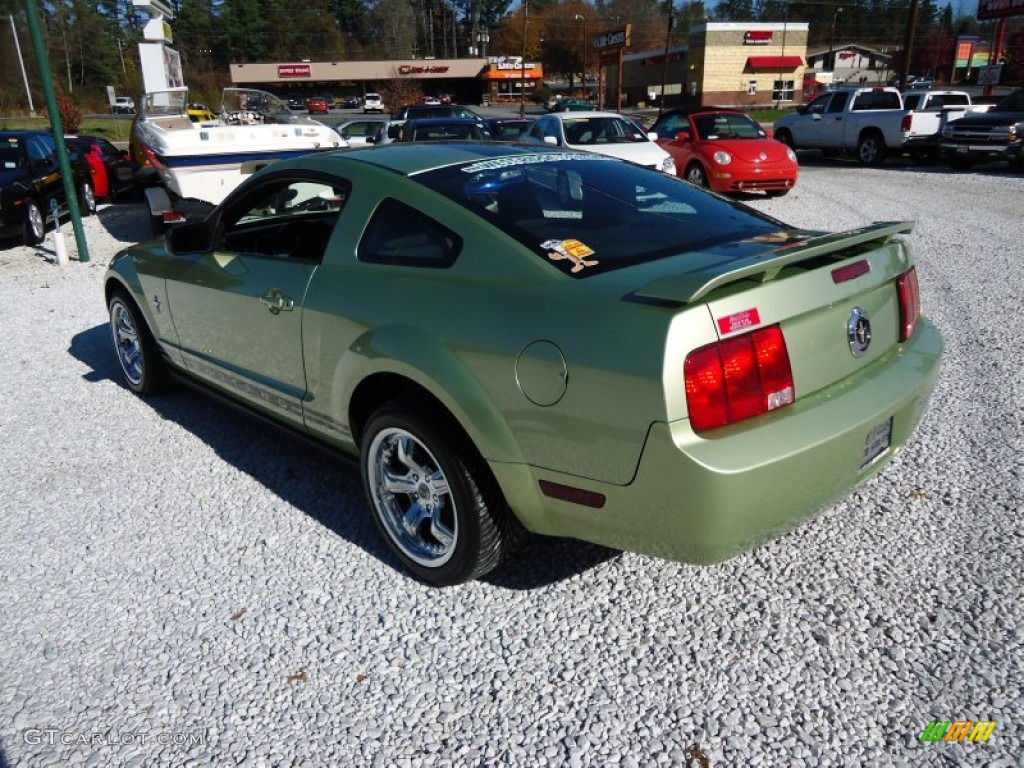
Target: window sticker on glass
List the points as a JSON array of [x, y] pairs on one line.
[[573, 250]]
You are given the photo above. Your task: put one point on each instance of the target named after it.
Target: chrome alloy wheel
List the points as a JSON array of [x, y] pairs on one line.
[[36, 223], [412, 498], [127, 342]]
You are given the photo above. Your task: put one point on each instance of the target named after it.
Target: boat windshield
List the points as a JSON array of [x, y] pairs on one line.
[[248, 100], [170, 102]]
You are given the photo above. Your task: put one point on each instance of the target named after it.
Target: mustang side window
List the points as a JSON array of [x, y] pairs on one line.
[[292, 219], [403, 236]]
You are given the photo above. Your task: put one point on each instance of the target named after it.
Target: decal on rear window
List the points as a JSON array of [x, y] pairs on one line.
[[552, 157], [573, 250]]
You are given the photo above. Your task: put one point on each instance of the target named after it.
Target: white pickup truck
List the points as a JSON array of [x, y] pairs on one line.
[[926, 114], [865, 121], [873, 122]]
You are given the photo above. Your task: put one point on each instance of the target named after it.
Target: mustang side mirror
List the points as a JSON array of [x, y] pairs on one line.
[[190, 237], [683, 136]]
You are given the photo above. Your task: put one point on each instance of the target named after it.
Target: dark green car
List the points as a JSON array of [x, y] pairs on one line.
[[513, 338]]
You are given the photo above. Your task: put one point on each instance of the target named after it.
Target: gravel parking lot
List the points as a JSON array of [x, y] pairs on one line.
[[182, 586]]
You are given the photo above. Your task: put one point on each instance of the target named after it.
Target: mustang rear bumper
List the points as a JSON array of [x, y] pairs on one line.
[[703, 499]]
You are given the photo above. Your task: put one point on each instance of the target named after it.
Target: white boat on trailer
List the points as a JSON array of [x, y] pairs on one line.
[[204, 160]]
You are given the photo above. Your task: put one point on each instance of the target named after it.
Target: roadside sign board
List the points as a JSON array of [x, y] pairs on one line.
[[111, 96]]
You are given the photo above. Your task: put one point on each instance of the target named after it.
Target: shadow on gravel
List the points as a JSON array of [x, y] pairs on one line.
[[322, 485], [814, 159], [127, 223], [3, 758], [544, 560]]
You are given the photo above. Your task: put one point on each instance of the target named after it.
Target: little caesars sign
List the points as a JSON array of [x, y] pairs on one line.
[[619, 38]]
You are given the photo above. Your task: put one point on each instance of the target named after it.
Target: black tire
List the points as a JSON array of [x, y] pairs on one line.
[[86, 199], [696, 175], [35, 223], [144, 371], [871, 148], [464, 528], [786, 138]]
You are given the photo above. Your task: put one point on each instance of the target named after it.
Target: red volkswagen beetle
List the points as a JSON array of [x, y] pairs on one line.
[[726, 151]]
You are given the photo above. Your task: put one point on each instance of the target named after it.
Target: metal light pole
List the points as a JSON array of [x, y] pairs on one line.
[[35, 30], [832, 40], [583, 53], [522, 82]]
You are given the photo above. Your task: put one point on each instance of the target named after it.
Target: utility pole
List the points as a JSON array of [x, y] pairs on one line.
[[664, 63], [522, 82], [21, 61], [908, 44]]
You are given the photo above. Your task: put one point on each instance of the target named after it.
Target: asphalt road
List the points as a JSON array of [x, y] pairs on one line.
[[180, 586]]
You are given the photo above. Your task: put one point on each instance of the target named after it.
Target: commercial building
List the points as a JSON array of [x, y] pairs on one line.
[[471, 81], [744, 64]]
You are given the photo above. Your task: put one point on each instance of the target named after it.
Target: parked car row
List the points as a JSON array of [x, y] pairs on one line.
[[873, 123], [31, 184]]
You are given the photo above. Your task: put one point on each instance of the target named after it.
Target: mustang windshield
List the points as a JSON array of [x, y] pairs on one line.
[[591, 213]]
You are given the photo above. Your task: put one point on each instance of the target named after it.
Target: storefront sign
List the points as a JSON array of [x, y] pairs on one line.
[[294, 70], [620, 38], [757, 37], [999, 9], [407, 69]]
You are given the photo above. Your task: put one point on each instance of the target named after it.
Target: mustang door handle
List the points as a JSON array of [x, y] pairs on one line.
[[277, 302]]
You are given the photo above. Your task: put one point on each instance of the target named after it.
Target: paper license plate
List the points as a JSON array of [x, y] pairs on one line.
[[962, 149], [878, 441]]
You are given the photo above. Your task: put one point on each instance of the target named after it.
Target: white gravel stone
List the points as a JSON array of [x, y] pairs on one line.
[[134, 529]]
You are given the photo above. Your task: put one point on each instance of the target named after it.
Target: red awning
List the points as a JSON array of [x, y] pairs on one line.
[[774, 62]]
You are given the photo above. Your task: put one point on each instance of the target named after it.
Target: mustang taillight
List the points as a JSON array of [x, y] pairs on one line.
[[738, 378], [910, 302]]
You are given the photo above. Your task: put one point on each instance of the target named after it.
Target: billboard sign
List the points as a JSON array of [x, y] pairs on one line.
[[999, 9]]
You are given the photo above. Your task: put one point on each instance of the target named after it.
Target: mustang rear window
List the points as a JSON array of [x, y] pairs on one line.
[[588, 214]]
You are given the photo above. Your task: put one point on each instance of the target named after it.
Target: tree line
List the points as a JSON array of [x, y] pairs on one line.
[[93, 43]]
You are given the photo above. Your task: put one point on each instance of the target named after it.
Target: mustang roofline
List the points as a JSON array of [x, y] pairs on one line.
[[409, 159]]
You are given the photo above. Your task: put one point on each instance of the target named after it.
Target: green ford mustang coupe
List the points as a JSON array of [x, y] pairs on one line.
[[520, 338]]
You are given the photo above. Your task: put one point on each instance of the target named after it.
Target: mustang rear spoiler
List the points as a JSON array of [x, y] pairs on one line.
[[765, 266]]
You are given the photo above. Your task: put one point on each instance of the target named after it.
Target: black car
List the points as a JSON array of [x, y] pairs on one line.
[[421, 111], [983, 136], [508, 128], [353, 102], [443, 129], [30, 179]]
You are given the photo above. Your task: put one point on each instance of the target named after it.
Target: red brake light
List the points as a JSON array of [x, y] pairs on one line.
[[705, 389], [738, 378], [910, 302]]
